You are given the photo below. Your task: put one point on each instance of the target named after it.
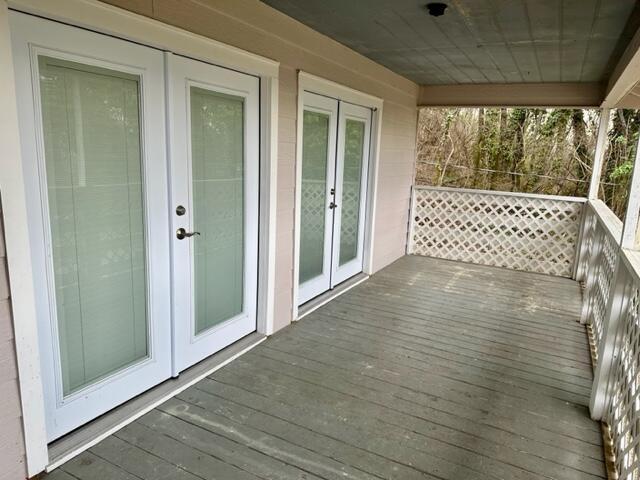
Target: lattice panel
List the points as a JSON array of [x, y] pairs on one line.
[[604, 264], [523, 233], [623, 413]]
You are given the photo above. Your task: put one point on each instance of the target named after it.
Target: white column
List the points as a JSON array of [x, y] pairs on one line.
[[630, 227], [601, 146]]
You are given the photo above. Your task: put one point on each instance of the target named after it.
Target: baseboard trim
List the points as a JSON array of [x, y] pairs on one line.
[[324, 298]]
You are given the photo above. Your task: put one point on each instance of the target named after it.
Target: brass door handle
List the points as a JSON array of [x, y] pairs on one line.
[[181, 234]]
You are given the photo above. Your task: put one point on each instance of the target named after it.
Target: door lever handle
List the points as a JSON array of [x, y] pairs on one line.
[[332, 205], [181, 234]]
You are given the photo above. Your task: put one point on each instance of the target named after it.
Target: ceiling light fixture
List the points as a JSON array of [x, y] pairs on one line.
[[436, 9]]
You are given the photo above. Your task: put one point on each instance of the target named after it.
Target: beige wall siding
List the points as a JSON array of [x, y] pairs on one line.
[[12, 455], [256, 27]]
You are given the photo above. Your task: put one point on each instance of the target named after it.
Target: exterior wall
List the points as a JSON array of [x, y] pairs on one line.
[[257, 28], [12, 455]]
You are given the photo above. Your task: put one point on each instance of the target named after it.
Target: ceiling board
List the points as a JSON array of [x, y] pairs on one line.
[[477, 41]]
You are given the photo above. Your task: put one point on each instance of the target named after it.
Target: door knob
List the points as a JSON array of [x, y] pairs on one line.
[[181, 234]]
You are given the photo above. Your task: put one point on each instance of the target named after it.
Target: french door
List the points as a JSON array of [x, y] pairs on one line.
[[128, 294], [333, 185], [93, 142], [214, 196]]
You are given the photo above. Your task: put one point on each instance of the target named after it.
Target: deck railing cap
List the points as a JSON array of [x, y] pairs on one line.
[[502, 193]]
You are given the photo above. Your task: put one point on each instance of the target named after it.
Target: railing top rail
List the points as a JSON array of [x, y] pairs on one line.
[[611, 223], [502, 193]]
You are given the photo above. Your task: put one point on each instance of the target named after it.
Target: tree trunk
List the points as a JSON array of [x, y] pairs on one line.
[[479, 147]]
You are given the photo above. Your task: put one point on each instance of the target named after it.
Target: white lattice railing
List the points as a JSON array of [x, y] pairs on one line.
[[601, 232], [611, 303], [534, 233], [622, 414], [618, 367]]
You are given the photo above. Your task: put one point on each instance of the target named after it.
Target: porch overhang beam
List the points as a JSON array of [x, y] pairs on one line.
[[624, 78], [565, 94]]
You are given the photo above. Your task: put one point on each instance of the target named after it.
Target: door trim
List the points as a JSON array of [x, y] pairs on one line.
[[110, 20], [314, 84]]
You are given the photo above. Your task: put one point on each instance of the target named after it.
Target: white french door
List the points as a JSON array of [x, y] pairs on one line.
[[140, 270], [92, 125], [317, 184], [214, 162], [333, 186], [352, 166]]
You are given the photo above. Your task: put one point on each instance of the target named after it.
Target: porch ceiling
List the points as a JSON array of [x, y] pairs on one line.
[[479, 41]]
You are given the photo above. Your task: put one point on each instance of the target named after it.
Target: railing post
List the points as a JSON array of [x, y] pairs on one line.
[[581, 263], [412, 221], [598, 158], [616, 306]]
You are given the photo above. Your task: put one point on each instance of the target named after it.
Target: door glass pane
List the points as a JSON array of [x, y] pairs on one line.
[[352, 176], [315, 140], [91, 124], [217, 156]]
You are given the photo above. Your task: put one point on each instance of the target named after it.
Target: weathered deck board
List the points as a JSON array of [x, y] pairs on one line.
[[429, 370]]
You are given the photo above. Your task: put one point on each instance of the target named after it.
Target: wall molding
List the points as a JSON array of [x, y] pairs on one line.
[[512, 95]]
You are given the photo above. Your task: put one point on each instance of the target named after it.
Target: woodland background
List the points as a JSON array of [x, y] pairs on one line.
[[532, 150]]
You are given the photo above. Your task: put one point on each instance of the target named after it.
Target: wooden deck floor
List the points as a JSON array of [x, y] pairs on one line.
[[430, 369]]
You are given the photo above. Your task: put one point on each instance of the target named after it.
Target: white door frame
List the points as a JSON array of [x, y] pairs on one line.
[[314, 84], [114, 21]]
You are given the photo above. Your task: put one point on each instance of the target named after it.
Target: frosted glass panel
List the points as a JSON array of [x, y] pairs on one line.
[[91, 124], [313, 194], [352, 176], [217, 155]]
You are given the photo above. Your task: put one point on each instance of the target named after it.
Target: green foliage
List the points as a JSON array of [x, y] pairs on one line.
[[517, 149], [533, 150], [622, 171]]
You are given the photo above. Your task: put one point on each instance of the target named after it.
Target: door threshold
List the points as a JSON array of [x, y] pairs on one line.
[[315, 303], [65, 448]]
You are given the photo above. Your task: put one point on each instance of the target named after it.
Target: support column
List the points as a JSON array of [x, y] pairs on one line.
[[630, 226]]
